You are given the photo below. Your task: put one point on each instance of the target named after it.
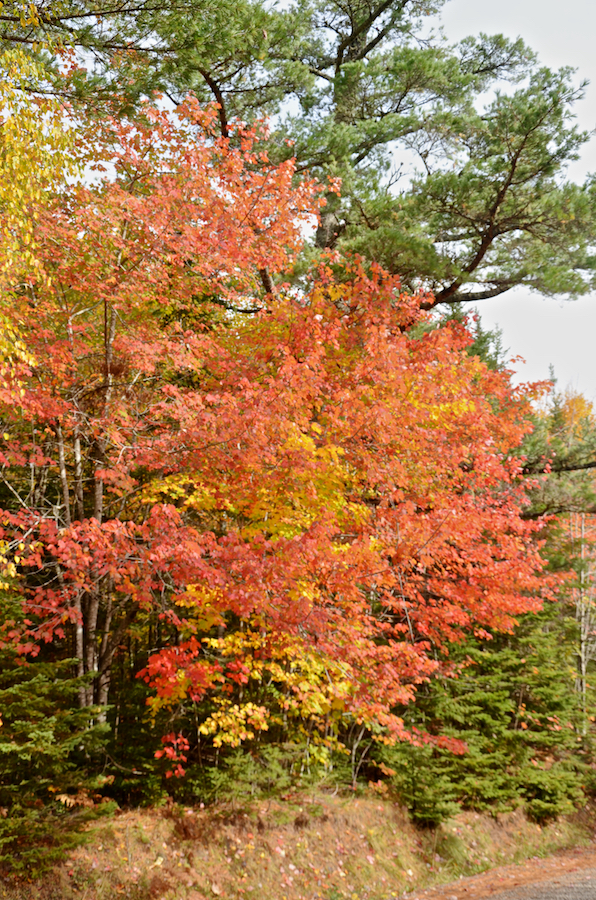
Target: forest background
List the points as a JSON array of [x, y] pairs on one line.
[[273, 512]]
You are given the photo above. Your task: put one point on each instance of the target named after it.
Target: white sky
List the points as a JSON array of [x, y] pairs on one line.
[[541, 330]]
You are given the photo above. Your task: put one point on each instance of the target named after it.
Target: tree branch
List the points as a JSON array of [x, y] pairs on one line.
[[216, 91]]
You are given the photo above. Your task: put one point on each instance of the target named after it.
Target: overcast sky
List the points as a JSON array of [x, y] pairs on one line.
[[544, 331]]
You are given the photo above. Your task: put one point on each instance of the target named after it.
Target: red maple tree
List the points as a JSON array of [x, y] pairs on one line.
[[314, 480]]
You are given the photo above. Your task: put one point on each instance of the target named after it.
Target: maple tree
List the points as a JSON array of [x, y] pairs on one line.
[[184, 217], [402, 531], [311, 490]]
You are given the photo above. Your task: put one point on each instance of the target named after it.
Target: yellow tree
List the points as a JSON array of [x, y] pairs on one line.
[[35, 157]]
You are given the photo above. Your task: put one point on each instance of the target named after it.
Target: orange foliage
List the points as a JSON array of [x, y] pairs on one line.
[[317, 472]]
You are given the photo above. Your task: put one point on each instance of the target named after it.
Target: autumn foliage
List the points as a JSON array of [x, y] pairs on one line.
[[313, 488]]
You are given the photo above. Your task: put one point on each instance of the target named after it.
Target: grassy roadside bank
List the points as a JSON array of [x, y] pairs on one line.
[[305, 847]]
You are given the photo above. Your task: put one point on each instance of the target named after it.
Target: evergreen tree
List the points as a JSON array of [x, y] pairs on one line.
[[513, 704], [50, 763]]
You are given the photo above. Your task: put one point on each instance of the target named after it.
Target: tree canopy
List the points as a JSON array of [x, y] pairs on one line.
[[484, 133], [295, 468]]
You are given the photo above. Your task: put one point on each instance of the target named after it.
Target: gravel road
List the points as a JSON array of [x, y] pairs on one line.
[[570, 875], [579, 885]]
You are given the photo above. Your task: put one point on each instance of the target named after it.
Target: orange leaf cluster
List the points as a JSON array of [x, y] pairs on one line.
[[315, 467]]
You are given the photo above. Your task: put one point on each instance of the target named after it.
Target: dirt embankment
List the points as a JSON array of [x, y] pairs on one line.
[[302, 848]]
